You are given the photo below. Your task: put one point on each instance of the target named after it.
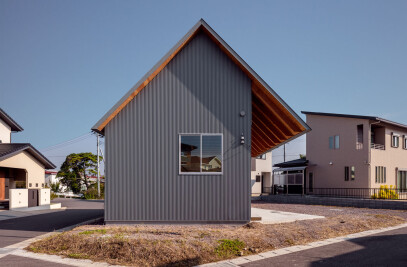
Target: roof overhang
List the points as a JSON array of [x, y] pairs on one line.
[[290, 169], [274, 123], [15, 127], [31, 150], [371, 118]]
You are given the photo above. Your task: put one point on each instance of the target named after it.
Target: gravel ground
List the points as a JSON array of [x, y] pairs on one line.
[[190, 245], [327, 211]]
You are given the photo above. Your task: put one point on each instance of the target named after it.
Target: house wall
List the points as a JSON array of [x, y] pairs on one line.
[[5, 132], [35, 170], [200, 91], [261, 166], [320, 156], [392, 158]]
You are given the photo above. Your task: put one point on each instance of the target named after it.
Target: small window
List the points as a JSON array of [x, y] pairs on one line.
[[395, 140], [36, 185], [380, 175], [42, 185], [258, 178], [405, 142], [30, 185], [200, 153], [1, 141], [359, 137], [331, 142], [352, 173], [262, 156], [334, 142], [346, 173]]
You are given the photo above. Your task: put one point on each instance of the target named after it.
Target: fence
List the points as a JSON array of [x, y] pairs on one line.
[[361, 193]]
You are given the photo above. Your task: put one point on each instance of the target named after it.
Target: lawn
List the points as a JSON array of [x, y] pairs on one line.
[[189, 245]]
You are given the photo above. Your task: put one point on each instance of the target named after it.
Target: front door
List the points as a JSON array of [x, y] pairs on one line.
[[2, 188], [32, 197]]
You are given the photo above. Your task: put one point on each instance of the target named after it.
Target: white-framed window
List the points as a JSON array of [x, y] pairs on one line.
[[405, 141], [201, 153], [395, 139], [334, 142]]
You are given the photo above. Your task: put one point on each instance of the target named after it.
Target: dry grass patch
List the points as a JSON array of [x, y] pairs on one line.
[[189, 245]]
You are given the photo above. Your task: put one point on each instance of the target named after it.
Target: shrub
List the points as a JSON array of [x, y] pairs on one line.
[[53, 195], [92, 192], [228, 248], [386, 193], [55, 187]]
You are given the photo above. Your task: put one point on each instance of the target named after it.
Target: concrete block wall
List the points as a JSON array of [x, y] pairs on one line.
[[44, 196], [18, 198], [342, 202]]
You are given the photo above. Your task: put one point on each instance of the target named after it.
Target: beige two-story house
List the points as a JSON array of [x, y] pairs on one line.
[[261, 178], [21, 165], [352, 151]]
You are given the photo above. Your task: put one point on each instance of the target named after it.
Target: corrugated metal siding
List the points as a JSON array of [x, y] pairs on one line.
[[200, 91]]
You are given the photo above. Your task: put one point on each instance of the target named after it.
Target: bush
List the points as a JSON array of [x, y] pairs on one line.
[[228, 248], [386, 193], [92, 192], [55, 187], [53, 195]]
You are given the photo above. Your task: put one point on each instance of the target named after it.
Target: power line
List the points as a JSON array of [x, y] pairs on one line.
[[66, 143]]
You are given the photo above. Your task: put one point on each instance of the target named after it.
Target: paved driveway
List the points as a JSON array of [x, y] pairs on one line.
[[384, 249], [19, 229]]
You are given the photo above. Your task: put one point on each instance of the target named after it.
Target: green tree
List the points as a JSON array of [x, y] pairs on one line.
[[76, 169]]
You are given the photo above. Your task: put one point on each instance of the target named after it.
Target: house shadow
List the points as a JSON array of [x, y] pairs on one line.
[[382, 250], [48, 222]]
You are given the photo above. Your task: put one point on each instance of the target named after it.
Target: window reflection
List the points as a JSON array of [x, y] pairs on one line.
[[190, 153], [211, 153]]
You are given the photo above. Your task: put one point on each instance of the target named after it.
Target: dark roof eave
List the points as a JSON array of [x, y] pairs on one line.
[[373, 118], [26, 146], [15, 127]]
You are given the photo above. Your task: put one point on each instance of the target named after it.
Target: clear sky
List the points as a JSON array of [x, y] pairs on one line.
[[63, 64]]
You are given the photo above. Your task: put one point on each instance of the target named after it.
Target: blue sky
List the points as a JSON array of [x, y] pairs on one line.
[[65, 63]]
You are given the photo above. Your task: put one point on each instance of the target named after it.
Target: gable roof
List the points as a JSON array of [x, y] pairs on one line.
[[9, 150], [271, 128], [10, 122], [372, 118]]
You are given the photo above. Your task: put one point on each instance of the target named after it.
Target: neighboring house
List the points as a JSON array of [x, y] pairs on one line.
[[261, 178], [51, 178], [21, 165], [179, 144], [352, 151]]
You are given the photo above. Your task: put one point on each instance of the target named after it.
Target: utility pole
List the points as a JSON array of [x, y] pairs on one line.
[[97, 136]]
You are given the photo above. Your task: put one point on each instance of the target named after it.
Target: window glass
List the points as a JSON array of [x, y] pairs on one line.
[[258, 179], [190, 153], [201, 153], [262, 156], [336, 141], [331, 142], [211, 153], [395, 141], [346, 173]]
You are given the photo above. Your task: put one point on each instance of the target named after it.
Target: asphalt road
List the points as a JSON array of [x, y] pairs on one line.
[[384, 249], [19, 229]]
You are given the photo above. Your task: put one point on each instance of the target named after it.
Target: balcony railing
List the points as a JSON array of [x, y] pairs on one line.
[[377, 146]]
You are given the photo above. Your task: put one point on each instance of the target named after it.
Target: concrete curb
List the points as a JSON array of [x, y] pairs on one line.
[[278, 252]]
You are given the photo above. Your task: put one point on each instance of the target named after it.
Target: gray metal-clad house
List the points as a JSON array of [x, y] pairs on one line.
[[179, 144]]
